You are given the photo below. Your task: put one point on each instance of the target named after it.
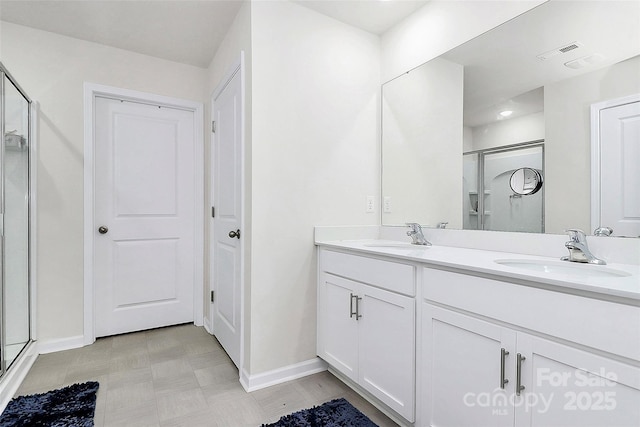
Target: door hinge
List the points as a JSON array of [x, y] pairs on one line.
[[212, 296], [213, 212], [213, 126]]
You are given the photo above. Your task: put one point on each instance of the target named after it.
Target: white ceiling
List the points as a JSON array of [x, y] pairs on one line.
[[374, 16], [186, 31], [183, 31]]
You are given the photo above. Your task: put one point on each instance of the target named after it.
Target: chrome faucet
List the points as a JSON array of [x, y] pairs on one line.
[[603, 231], [416, 235], [578, 250]]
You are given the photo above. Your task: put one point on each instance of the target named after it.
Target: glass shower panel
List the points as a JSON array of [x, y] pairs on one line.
[[16, 223], [503, 209]]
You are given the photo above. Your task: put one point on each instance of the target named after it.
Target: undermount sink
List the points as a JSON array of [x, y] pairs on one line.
[[561, 267]]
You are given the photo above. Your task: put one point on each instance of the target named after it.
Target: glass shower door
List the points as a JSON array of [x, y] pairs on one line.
[[489, 201], [15, 223]]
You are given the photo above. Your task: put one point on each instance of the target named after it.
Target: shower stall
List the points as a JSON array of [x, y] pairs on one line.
[[16, 319], [490, 202]]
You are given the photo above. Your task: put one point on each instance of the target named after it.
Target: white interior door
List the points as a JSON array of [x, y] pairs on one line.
[[619, 171], [144, 216], [227, 200]]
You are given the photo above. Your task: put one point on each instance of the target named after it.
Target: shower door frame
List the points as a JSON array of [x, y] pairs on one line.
[[27, 350], [480, 174]]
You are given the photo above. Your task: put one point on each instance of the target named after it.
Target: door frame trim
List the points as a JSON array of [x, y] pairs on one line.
[[91, 91], [238, 66], [596, 148]]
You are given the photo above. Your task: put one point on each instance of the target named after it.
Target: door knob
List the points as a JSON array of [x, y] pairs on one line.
[[233, 234], [103, 230]]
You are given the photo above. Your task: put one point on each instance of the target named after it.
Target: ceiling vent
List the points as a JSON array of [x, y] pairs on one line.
[[558, 51]]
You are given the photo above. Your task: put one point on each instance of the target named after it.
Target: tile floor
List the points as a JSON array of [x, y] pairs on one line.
[[179, 376]]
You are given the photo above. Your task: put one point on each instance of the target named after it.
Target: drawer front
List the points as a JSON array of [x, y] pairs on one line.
[[392, 276], [603, 325]]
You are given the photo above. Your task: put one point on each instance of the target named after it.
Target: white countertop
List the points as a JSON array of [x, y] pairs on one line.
[[481, 261]]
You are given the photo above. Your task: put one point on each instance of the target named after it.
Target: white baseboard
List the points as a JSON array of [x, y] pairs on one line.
[[198, 321], [281, 375], [60, 344], [207, 326], [13, 378]]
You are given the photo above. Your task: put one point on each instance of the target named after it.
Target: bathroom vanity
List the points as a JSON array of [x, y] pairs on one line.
[[367, 324], [447, 336]]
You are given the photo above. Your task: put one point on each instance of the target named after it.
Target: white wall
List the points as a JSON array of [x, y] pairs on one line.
[[440, 26], [315, 108], [52, 70]]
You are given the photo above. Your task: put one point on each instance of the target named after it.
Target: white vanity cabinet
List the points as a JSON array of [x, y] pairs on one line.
[[498, 354], [461, 366], [568, 386], [366, 325]]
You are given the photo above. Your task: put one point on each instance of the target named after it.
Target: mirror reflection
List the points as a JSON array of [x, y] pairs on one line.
[[449, 125], [494, 183]]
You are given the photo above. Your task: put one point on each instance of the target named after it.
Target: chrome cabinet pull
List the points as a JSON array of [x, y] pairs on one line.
[[357, 312], [351, 312], [503, 355], [519, 387]]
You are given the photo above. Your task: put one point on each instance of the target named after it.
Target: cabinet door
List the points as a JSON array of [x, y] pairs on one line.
[[566, 386], [461, 370], [337, 329], [387, 348]]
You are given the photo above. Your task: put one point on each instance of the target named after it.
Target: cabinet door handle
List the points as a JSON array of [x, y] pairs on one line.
[[519, 387], [351, 312], [503, 355], [358, 315]]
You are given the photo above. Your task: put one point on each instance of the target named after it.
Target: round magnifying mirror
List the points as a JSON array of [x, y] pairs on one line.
[[525, 181]]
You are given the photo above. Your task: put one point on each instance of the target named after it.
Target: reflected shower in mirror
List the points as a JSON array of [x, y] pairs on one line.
[[492, 174], [534, 78]]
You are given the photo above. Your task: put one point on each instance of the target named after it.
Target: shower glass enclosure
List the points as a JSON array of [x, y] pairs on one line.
[[14, 220], [489, 201]]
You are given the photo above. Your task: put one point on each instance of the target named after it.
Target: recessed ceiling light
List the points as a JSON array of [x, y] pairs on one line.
[[506, 113]]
